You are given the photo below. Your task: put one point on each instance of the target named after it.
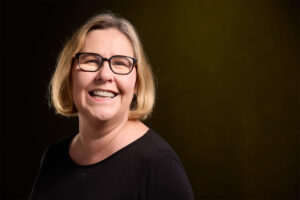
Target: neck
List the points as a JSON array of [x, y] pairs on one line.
[[95, 129], [96, 137]]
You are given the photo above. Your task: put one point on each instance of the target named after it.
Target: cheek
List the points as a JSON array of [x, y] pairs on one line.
[[79, 83], [131, 82], [127, 88]]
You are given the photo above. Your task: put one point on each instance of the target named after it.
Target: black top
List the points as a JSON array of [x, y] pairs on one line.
[[148, 168]]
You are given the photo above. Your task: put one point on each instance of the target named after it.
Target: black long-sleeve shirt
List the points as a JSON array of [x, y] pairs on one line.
[[148, 168]]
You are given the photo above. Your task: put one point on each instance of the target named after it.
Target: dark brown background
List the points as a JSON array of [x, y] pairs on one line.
[[228, 89]]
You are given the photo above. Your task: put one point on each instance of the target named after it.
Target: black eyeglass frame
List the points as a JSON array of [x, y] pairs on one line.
[[134, 63]]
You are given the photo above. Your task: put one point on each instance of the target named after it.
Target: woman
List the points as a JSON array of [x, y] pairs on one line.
[[103, 76]]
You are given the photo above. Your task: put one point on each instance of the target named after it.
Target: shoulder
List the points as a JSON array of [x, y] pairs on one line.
[[167, 178], [56, 152], [51, 162], [154, 147]]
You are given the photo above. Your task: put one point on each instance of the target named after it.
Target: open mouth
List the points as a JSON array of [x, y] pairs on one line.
[[101, 94]]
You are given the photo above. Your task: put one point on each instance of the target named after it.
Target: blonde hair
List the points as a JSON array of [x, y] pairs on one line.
[[61, 82]]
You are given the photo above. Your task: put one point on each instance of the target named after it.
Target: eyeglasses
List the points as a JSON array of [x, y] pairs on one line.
[[92, 62]]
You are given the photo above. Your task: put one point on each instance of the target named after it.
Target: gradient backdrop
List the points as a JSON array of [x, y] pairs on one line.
[[227, 75]]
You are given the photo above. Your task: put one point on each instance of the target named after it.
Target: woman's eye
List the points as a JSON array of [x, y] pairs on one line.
[[92, 61], [120, 63]]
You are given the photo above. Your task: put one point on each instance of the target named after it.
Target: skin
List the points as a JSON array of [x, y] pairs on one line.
[[104, 127]]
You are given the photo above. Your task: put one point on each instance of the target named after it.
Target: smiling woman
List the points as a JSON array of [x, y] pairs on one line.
[[103, 77]]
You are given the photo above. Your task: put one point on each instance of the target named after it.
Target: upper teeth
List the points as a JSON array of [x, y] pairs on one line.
[[103, 93]]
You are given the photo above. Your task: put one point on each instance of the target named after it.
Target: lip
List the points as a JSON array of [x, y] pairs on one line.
[[100, 99]]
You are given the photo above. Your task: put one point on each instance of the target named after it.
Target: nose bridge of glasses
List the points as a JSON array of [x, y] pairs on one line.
[[105, 59], [102, 65]]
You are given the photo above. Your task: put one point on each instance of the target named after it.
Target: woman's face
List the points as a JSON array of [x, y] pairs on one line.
[[88, 87]]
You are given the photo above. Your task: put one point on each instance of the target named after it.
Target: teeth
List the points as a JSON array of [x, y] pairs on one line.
[[103, 93]]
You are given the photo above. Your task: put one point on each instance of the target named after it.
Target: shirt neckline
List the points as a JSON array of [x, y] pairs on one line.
[[73, 163]]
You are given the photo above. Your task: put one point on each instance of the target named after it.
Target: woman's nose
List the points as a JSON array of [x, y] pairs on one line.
[[104, 73]]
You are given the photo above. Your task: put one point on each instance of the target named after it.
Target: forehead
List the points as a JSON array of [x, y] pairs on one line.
[[108, 42]]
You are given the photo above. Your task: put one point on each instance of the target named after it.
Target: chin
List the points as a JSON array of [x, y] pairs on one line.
[[104, 116], [107, 115]]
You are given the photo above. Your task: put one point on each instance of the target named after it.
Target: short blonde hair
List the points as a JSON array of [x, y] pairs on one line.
[[61, 83]]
